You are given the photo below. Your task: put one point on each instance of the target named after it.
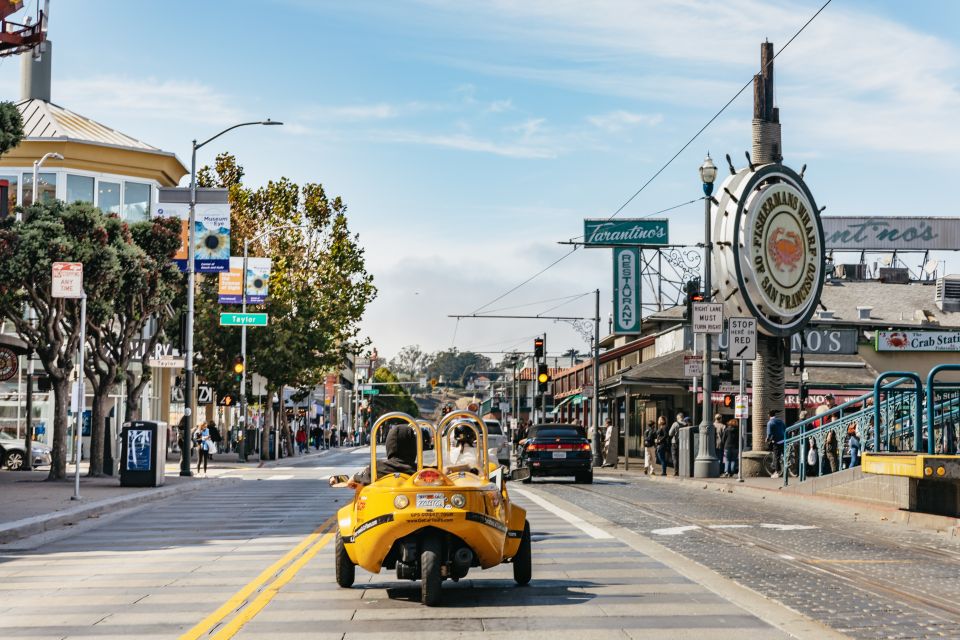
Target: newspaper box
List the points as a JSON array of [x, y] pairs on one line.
[[143, 453]]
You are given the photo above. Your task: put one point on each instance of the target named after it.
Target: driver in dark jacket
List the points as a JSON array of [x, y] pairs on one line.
[[401, 448]]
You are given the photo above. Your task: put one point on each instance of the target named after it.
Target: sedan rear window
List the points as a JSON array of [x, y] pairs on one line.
[[556, 432]]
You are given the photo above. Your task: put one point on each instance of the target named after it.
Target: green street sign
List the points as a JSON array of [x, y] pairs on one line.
[[243, 319], [603, 232], [371, 392]]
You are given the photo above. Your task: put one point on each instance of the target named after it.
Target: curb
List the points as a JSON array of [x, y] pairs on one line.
[[38, 524], [928, 521]]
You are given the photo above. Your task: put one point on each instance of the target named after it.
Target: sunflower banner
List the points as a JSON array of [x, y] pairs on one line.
[[231, 283], [258, 280], [212, 248]]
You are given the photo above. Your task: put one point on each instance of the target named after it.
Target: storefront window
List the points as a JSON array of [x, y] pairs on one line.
[[108, 197], [13, 190], [48, 187], [136, 201], [79, 188]]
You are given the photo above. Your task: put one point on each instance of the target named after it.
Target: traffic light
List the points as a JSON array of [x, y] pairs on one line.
[[803, 394], [543, 377], [538, 348], [238, 367], [729, 401], [693, 294], [726, 371]]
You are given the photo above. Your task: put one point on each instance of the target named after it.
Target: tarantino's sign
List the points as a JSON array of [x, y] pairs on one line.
[[918, 341], [626, 291], [882, 233], [603, 232]]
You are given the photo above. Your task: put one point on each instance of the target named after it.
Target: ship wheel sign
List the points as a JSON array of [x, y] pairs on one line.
[[768, 248], [9, 364]]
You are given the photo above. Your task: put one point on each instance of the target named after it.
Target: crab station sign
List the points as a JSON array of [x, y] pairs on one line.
[[768, 248]]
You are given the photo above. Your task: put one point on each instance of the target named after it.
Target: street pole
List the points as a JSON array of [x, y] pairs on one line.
[[188, 394], [693, 407], [595, 401], [706, 464], [80, 400], [743, 422], [28, 432], [243, 355]]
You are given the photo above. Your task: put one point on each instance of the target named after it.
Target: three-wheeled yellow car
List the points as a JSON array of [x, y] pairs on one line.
[[439, 521]]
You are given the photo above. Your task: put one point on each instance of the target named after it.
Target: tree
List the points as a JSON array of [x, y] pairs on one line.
[[453, 364], [411, 362], [11, 126], [319, 286], [54, 232], [146, 280], [392, 397]]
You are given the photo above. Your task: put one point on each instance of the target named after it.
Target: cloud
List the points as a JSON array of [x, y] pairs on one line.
[[110, 96], [499, 106], [467, 142], [353, 113], [615, 121]]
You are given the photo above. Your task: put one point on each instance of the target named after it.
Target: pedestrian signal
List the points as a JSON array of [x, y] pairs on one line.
[[729, 401], [226, 400], [433, 382]]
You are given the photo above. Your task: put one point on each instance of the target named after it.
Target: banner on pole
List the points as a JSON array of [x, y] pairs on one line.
[[231, 283], [258, 280], [211, 229], [626, 291]]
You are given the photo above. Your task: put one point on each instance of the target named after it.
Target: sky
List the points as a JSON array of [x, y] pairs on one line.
[[470, 138]]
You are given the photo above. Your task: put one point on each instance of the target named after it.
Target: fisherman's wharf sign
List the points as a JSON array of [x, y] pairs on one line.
[[889, 233], [604, 232], [768, 248]]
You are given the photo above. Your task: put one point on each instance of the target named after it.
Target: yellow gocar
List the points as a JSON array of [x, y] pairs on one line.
[[438, 522]]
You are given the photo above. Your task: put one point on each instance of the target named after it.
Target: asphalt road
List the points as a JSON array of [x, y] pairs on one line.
[[863, 578], [251, 557]]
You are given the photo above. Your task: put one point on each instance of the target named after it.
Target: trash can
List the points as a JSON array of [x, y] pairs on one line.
[[143, 453], [689, 441]]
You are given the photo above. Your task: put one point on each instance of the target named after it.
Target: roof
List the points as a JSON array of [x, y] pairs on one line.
[[901, 305], [47, 121], [668, 369]]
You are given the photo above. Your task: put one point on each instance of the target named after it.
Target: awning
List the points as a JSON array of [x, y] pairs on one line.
[[575, 399]]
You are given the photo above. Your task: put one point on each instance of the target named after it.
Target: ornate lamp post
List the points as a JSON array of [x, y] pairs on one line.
[[706, 464]]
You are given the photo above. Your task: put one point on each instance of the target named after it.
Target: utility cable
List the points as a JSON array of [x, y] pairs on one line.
[[668, 163]]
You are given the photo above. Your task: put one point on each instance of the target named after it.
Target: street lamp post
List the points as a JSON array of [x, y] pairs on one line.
[[36, 172], [243, 330], [191, 282], [706, 464]]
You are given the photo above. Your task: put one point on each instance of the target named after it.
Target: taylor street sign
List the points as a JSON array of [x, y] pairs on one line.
[[243, 319], [371, 392], [707, 317], [742, 337], [692, 366], [889, 233], [167, 362], [626, 291], [640, 232]]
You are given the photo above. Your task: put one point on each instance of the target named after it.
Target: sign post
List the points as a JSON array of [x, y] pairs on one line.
[[67, 282], [742, 346]]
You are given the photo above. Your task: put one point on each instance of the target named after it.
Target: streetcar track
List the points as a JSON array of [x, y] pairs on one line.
[[929, 603]]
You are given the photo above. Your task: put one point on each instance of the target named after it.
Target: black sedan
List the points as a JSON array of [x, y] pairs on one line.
[[557, 450]]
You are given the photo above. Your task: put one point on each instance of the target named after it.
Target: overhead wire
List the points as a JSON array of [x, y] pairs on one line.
[[533, 304], [667, 164]]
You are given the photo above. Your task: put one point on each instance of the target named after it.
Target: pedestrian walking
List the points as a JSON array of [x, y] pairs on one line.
[[813, 458], [674, 435], [718, 427], [831, 452], [776, 428], [204, 445], [610, 457], [662, 443], [650, 448], [730, 445], [302, 440], [855, 446]]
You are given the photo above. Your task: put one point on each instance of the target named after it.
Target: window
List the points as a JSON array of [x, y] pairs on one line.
[[108, 197], [79, 188], [48, 187], [136, 201], [13, 190]]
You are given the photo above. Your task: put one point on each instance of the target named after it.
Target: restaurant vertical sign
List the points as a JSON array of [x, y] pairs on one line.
[[626, 291]]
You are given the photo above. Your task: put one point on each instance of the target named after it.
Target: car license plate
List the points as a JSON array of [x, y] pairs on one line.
[[430, 501], [559, 454]]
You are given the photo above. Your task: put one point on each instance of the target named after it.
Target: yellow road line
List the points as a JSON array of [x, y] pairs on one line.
[[240, 596], [247, 613]]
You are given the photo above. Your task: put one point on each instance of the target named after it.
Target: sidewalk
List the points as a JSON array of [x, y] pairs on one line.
[[773, 489], [29, 504]]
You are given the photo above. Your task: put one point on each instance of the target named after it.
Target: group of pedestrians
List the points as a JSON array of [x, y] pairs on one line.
[[661, 445], [320, 437]]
